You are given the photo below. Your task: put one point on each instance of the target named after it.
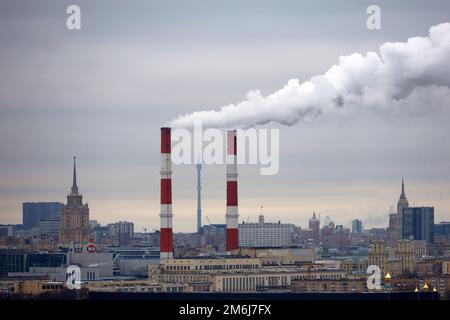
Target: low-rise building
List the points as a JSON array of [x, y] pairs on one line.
[[234, 274], [277, 256], [354, 267], [341, 286]]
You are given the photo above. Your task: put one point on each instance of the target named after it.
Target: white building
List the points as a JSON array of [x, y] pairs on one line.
[[263, 234]]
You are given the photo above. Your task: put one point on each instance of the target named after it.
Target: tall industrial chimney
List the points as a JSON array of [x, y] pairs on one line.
[[199, 197], [232, 193], [166, 238]]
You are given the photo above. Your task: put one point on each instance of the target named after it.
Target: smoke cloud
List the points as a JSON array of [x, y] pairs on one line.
[[412, 75]]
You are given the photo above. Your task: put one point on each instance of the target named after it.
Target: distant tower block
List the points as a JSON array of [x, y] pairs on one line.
[[166, 237], [232, 193], [199, 197]]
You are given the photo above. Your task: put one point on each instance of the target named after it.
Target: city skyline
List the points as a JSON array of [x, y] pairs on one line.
[[255, 218], [225, 158], [104, 91]]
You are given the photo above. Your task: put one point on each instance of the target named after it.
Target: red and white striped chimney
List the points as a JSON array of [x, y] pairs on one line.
[[166, 238], [232, 193]]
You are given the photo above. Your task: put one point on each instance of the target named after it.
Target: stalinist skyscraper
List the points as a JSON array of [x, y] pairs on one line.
[[74, 227], [395, 231], [401, 204]]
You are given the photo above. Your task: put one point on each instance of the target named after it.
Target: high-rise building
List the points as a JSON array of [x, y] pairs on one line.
[[405, 253], [442, 232], [418, 223], [327, 231], [339, 238], [394, 231], [74, 226], [121, 231], [401, 204], [314, 225], [49, 227], [378, 255], [419, 248], [264, 234], [33, 212], [357, 226]]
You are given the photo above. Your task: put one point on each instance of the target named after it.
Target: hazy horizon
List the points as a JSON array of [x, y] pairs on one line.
[[102, 93]]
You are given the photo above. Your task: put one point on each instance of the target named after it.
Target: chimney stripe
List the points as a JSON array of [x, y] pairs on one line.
[[166, 234], [232, 193]]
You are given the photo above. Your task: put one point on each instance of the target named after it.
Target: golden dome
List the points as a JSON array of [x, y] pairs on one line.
[[416, 289], [434, 289], [425, 286], [388, 276]]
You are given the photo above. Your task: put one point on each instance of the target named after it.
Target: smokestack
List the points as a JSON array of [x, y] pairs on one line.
[[166, 238], [199, 198], [232, 193]]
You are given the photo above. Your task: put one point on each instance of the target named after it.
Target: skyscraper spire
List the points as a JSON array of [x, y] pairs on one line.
[[403, 194], [74, 222], [403, 188], [74, 184], [401, 204]]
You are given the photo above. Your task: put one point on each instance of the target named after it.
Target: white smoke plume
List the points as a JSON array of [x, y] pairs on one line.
[[414, 75]]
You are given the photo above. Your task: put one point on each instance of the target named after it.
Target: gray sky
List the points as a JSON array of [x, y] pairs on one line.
[[102, 93]]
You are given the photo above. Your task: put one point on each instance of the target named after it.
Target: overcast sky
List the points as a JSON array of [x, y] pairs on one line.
[[102, 93]]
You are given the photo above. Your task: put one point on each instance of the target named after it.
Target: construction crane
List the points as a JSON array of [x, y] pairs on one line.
[[208, 220]]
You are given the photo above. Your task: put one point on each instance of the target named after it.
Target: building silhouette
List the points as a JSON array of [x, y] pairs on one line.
[[314, 225], [33, 212], [394, 231], [74, 226], [401, 204], [418, 223], [357, 226]]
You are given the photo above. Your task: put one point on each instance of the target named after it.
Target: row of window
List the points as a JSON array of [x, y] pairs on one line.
[[52, 286], [242, 284], [150, 289], [214, 267]]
